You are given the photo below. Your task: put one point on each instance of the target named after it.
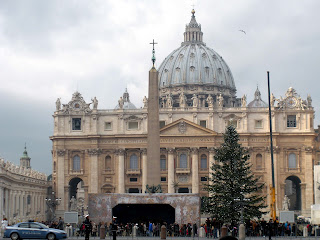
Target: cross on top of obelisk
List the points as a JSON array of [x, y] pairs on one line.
[[153, 59]]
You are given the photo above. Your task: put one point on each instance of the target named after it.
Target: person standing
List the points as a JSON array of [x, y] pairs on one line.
[[114, 227], [4, 225], [270, 228], [88, 227], [60, 224]]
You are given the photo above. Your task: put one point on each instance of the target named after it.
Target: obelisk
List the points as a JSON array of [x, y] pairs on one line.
[[153, 146]]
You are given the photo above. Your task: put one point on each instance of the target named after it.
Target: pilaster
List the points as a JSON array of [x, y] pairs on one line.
[[94, 170], [60, 177]]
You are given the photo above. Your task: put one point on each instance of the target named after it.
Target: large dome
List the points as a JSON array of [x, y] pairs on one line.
[[197, 69]]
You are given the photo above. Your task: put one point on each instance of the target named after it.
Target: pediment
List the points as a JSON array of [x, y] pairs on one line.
[[186, 128]]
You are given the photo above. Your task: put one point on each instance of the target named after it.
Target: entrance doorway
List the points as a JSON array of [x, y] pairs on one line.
[[144, 213], [293, 191]]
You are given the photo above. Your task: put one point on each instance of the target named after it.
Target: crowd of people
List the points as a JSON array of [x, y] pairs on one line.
[[210, 229]]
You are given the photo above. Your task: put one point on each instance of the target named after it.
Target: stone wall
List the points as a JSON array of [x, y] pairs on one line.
[[187, 206]]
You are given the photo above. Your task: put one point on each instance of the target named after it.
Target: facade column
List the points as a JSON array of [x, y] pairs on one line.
[[195, 170], [94, 170], [171, 170], [59, 191], [121, 185], [144, 170], [211, 162]]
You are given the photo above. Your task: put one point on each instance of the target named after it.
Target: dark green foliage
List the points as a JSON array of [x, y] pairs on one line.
[[232, 184]]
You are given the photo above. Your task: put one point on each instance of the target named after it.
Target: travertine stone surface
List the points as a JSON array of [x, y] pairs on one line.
[[187, 206]]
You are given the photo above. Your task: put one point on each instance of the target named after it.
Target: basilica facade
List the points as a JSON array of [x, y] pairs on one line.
[[105, 151]]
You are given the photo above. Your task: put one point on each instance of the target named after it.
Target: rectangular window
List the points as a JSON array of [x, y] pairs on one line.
[[107, 126], [258, 124], [291, 121], [76, 124], [162, 124], [163, 179], [204, 179], [133, 179], [163, 164], [203, 163], [203, 123], [133, 125]]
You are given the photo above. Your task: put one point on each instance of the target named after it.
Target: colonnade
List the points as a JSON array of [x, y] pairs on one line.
[[22, 205]]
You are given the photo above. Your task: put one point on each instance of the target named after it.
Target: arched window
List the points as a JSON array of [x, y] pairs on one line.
[[163, 162], [76, 163], [259, 161], [133, 161], [183, 163], [203, 163], [292, 161], [107, 164]]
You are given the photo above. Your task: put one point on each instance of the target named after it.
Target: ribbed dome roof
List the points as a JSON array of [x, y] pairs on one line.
[[194, 63]]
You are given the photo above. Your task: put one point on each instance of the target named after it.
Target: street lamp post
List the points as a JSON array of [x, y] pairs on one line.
[[52, 203]]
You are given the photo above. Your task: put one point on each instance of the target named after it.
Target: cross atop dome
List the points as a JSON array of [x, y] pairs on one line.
[[193, 32]]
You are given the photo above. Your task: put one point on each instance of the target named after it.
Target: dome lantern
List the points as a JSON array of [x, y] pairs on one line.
[[193, 32]]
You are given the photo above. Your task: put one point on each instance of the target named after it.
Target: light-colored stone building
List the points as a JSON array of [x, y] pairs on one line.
[[22, 191], [105, 150]]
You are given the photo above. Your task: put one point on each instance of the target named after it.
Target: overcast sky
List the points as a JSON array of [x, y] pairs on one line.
[[50, 49]]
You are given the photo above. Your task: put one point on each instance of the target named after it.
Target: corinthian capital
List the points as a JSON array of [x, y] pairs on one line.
[[194, 150], [95, 151], [61, 152], [170, 150], [120, 151]]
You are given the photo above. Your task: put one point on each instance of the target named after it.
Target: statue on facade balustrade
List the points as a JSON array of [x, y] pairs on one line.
[[145, 102], [58, 105], [210, 101], [95, 103], [220, 100]]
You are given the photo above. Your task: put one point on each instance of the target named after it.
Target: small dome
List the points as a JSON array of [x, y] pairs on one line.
[[126, 102], [257, 102]]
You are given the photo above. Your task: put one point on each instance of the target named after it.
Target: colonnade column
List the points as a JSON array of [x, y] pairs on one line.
[[144, 170], [121, 186], [21, 205], [7, 210], [1, 201], [94, 170], [195, 170], [171, 170]]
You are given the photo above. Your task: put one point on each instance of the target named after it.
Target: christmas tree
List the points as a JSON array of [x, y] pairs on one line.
[[233, 189]]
